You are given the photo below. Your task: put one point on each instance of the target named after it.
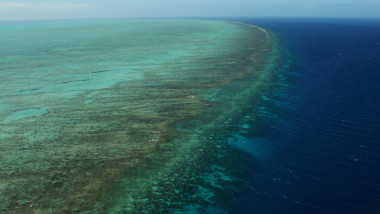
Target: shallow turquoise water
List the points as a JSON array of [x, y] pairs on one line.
[[127, 115]]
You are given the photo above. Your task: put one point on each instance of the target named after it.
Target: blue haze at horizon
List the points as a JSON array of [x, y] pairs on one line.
[[42, 10]]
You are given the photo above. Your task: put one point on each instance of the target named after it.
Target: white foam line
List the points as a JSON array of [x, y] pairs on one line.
[[267, 35]]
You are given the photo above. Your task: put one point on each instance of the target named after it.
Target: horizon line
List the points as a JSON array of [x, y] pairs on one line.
[[194, 17]]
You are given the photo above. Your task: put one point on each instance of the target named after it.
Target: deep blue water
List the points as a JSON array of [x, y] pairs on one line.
[[320, 152]]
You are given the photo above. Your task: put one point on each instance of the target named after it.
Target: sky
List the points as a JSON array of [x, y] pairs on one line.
[[74, 9]]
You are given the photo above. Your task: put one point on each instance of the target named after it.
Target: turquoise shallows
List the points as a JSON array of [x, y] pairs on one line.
[[114, 116]]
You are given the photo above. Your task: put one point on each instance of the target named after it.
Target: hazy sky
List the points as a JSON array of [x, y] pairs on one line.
[[62, 9]]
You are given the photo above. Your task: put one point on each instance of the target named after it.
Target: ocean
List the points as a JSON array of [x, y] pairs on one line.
[[190, 116], [320, 150]]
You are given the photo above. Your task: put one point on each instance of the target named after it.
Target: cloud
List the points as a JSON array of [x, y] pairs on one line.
[[23, 10], [9, 6]]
